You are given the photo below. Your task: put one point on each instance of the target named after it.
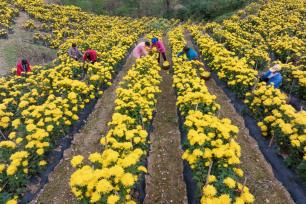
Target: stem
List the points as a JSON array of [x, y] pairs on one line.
[[106, 144], [3, 135], [208, 174], [4, 186], [255, 85], [244, 183], [271, 141]]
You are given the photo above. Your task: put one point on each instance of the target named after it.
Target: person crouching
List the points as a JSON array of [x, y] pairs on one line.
[[23, 66], [140, 50], [273, 76]]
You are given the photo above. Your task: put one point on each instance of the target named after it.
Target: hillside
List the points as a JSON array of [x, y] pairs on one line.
[[181, 9]]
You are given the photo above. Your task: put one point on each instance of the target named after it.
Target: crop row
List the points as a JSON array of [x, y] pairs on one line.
[[7, 13], [269, 106], [211, 149], [112, 176], [39, 108], [275, 33]]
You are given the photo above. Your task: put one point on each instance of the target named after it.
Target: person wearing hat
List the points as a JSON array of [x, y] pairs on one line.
[[160, 48], [140, 50], [190, 53], [23, 66], [273, 76]]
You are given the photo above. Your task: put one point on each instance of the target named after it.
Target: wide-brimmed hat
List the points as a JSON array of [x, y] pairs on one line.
[[275, 68]]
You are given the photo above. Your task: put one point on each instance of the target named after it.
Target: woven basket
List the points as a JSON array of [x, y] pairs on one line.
[[166, 65]]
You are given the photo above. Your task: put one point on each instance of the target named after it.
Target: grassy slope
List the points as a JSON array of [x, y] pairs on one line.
[[196, 9], [88, 5], [19, 45]]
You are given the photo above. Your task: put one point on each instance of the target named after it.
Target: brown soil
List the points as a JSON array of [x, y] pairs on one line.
[[260, 178], [165, 182], [20, 44], [57, 191]]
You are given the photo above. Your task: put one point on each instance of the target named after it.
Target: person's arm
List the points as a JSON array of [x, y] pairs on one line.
[[180, 53], [265, 75]]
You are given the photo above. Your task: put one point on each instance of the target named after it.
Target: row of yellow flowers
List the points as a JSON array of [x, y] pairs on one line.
[[7, 15], [276, 118], [112, 175], [59, 23], [210, 149], [251, 46], [234, 71], [39, 108], [276, 29]]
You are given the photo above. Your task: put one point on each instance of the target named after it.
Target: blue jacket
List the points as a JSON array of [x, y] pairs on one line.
[[191, 54], [276, 79]]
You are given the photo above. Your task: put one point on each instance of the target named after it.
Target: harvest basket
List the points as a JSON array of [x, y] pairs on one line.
[[205, 75], [166, 65]]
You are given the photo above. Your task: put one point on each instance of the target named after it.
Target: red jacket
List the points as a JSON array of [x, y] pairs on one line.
[[93, 55], [20, 69]]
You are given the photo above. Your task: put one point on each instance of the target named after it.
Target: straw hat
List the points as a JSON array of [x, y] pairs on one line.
[[275, 68]]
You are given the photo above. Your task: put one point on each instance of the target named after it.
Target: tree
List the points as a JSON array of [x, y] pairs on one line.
[[167, 5]]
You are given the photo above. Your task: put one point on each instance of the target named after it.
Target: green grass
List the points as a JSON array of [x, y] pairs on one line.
[[96, 6], [14, 51], [10, 54], [195, 9], [133, 8]]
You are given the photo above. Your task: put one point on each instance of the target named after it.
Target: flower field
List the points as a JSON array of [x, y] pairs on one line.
[[7, 13], [274, 32], [117, 169], [211, 149], [269, 105], [39, 108]]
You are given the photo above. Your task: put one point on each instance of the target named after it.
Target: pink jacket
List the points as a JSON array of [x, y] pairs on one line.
[[140, 50], [160, 46]]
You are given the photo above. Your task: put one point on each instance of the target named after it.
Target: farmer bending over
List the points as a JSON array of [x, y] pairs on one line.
[[140, 50], [273, 76], [190, 53], [74, 52], [23, 66], [160, 48], [90, 56]]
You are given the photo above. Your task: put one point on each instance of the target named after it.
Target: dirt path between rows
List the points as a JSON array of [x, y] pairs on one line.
[[20, 44], [165, 183], [260, 178], [57, 191]]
